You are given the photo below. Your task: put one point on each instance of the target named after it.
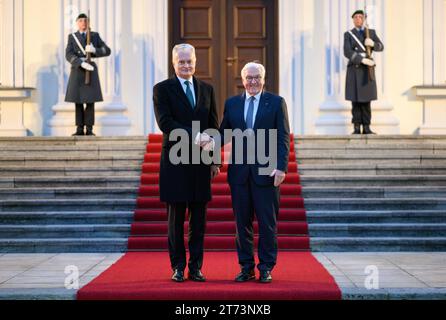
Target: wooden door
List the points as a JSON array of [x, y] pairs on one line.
[[227, 35]]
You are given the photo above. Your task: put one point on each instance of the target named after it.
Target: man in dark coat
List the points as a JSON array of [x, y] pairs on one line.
[[360, 89], [77, 91], [179, 102]]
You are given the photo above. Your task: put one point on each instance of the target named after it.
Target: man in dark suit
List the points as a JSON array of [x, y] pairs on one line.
[[77, 91], [179, 102], [252, 191], [360, 89]]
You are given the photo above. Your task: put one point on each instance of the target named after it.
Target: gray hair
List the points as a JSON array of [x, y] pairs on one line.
[[256, 65], [182, 47]]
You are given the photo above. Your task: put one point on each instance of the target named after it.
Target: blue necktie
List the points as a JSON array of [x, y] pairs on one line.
[[250, 116], [189, 95]]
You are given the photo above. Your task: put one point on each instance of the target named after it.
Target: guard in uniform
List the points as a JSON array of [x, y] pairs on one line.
[[77, 91], [360, 88]]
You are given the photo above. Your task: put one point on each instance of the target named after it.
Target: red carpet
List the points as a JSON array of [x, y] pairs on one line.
[[145, 276], [144, 273]]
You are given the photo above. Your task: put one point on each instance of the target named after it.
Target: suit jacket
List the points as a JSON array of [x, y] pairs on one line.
[[77, 91], [272, 114], [359, 88], [183, 182]]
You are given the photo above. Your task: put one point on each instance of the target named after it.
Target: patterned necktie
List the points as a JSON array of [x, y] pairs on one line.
[[189, 95], [250, 116]]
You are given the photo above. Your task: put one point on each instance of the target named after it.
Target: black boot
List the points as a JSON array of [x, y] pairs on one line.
[[367, 130], [357, 129], [90, 131], [79, 132]]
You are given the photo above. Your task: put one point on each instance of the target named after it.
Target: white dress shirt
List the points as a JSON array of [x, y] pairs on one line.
[[256, 106], [184, 86]]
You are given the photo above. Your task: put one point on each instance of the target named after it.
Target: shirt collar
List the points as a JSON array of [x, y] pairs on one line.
[[257, 96], [191, 80]]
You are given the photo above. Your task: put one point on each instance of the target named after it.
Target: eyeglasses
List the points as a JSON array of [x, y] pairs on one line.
[[251, 79], [184, 63]]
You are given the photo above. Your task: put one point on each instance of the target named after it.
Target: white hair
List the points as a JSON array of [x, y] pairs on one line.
[[182, 47], [251, 65]]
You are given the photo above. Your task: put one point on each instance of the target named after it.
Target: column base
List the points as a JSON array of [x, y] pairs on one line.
[[336, 119], [109, 118]]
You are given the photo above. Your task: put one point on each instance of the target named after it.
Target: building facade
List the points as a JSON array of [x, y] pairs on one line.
[[299, 41]]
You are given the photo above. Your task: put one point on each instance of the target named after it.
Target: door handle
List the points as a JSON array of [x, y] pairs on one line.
[[230, 61]]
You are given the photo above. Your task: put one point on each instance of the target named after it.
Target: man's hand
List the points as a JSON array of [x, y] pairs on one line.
[[369, 43], [368, 62], [205, 141], [90, 49], [87, 66], [279, 177], [215, 171]]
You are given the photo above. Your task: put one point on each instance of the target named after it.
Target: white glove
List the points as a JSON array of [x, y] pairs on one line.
[[90, 49], [369, 43], [87, 66], [368, 62]]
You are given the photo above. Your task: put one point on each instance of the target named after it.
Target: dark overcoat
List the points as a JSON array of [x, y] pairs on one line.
[[77, 90], [359, 87], [183, 182]]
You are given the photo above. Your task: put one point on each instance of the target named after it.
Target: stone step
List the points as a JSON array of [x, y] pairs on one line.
[[69, 193], [395, 216], [74, 182], [318, 244], [305, 152], [308, 193], [360, 230], [372, 180], [71, 141], [72, 151], [68, 245], [67, 217], [368, 204], [73, 161], [377, 244], [371, 139], [64, 231], [374, 192], [370, 170], [376, 159], [67, 205], [44, 171]]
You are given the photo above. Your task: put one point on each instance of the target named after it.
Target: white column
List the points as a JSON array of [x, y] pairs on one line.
[[111, 119], [12, 91], [155, 62], [335, 112], [433, 90], [291, 17]]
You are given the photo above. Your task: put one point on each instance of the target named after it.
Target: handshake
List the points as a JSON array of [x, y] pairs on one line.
[[205, 141]]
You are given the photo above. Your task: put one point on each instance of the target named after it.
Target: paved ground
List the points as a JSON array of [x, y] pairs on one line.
[[398, 275]]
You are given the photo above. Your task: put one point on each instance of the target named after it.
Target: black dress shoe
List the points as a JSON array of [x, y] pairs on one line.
[[178, 276], [265, 277], [79, 132], [357, 129], [367, 130], [196, 276], [90, 131], [245, 276]]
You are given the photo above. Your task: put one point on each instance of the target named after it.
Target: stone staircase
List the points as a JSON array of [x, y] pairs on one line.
[[383, 193], [377, 193], [68, 194]]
